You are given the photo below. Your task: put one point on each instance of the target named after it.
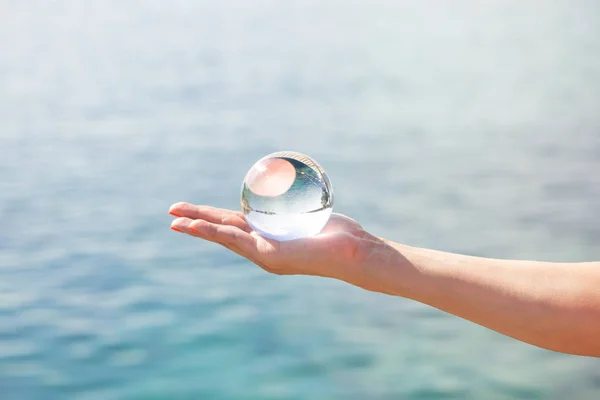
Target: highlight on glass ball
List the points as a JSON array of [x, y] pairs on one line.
[[286, 196]]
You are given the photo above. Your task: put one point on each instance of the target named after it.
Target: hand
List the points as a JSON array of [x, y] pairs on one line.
[[342, 250]]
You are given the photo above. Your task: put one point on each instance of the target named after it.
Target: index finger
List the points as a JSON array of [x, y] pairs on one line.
[[210, 214]]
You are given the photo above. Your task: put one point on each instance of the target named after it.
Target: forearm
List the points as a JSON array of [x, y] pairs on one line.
[[550, 305]]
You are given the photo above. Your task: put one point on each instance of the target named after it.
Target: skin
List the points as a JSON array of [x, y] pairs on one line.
[[555, 306]]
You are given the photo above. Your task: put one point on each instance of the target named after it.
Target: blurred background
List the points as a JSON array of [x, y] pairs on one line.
[[465, 126]]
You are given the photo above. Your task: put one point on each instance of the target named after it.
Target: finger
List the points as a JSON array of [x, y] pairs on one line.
[[210, 214], [227, 235], [182, 225], [183, 209]]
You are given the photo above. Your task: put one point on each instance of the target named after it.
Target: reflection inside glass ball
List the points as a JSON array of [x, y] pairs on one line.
[[286, 196]]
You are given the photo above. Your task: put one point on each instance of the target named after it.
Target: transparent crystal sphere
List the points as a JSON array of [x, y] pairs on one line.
[[287, 195]]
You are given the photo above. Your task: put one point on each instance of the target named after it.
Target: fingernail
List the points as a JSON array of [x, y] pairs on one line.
[[191, 228], [177, 229], [173, 213]]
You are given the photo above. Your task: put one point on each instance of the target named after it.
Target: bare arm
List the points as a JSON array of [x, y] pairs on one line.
[[551, 305]]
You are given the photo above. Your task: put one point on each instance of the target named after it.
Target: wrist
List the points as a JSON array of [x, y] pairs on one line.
[[383, 268]]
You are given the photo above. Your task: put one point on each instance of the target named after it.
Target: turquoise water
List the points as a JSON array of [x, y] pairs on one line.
[[463, 127]]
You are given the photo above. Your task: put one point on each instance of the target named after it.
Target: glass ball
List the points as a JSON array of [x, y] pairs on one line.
[[287, 195]]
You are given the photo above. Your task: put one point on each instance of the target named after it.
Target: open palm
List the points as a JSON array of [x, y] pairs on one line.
[[342, 242]]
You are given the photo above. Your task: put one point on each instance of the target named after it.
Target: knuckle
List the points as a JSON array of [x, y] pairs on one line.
[[210, 230]]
